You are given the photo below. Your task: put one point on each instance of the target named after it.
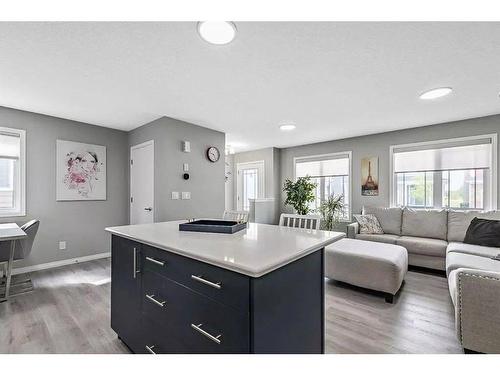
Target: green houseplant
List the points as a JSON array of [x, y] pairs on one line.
[[331, 211], [299, 194]]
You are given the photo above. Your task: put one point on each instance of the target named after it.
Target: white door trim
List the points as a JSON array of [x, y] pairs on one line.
[[259, 164], [135, 147]]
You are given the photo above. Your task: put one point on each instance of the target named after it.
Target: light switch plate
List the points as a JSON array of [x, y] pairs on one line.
[[186, 167], [175, 195], [62, 245], [186, 195]]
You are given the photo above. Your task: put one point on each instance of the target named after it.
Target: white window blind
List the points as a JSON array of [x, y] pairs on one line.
[[10, 146], [319, 168], [12, 172], [477, 156]]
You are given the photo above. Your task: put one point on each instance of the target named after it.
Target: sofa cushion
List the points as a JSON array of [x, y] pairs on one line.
[[464, 248], [424, 223], [385, 238], [368, 224], [459, 221], [483, 232], [423, 246], [388, 217], [460, 260]]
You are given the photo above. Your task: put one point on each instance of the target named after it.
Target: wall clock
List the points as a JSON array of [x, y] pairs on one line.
[[213, 154]]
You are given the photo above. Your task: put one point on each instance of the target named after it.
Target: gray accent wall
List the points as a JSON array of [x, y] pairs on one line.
[[378, 145], [206, 183], [80, 223]]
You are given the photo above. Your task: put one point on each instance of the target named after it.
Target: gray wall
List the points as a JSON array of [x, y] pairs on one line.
[[378, 145], [80, 223], [207, 179]]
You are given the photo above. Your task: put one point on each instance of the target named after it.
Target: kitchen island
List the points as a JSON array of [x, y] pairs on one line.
[[260, 290]]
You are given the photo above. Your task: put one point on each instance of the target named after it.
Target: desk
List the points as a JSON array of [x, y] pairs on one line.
[[10, 232]]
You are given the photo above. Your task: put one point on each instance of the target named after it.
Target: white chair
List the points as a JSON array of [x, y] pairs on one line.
[[300, 221], [236, 216]]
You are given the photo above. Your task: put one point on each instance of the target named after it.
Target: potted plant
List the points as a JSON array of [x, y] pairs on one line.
[[331, 211], [299, 194]]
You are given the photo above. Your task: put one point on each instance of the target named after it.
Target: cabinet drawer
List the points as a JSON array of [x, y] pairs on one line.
[[157, 302], [158, 340], [195, 322], [222, 285]]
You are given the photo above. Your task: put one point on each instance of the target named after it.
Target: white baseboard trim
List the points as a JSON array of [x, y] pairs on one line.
[[59, 263]]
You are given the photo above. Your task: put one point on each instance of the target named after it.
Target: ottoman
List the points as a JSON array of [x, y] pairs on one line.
[[367, 264]]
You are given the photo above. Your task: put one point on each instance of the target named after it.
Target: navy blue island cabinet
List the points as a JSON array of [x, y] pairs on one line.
[[162, 302]]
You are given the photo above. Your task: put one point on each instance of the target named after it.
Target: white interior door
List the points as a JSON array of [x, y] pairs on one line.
[[142, 183], [250, 183]]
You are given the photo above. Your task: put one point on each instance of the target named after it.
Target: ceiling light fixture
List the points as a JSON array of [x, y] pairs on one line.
[[287, 127], [435, 93], [217, 32]]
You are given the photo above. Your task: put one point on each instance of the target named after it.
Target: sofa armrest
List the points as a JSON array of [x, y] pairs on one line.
[[352, 230], [477, 310]]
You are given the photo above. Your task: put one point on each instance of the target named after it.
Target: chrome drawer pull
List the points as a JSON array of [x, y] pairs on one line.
[[150, 349], [153, 260], [202, 280], [135, 263], [196, 327], [154, 300]]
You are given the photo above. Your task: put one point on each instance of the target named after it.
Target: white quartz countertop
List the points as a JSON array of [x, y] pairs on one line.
[[254, 251]]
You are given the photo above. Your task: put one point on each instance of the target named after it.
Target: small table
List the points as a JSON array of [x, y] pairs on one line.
[[10, 232]]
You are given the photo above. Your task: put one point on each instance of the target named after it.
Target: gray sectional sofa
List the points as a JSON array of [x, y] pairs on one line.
[[434, 239]]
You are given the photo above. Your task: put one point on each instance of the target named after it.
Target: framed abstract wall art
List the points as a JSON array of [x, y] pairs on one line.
[[369, 176], [81, 171]]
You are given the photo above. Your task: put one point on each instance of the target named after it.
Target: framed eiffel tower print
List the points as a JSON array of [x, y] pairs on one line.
[[369, 176]]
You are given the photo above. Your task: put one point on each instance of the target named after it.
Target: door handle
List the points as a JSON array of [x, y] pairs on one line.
[[148, 209], [135, 263]]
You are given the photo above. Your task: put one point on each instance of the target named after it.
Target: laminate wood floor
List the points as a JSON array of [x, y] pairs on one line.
[[69, 312]]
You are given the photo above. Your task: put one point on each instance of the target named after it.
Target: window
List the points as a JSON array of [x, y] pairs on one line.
[[332, 176], [12, 172], [457, 173]]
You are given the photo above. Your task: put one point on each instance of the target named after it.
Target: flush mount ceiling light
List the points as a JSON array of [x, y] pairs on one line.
[[435, 93], [217, 32], [287, 127]]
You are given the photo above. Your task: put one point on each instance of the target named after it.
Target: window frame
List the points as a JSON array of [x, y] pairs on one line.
[[493, 178], [334, 155], [20, 184]]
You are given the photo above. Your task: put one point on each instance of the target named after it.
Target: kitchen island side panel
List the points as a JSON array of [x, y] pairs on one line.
[[287, 308]]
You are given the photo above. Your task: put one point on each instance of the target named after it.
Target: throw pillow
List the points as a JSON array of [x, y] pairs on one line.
[[368, 224], [483, 232]]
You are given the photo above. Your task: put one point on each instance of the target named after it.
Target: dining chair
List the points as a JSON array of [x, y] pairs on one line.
[[300, 221], [21, 283], [236, 216]]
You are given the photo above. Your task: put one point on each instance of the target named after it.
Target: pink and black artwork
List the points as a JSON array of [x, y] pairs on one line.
[[81, 171]]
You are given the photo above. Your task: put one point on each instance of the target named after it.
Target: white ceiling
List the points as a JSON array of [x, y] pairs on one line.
[[333, 80]]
